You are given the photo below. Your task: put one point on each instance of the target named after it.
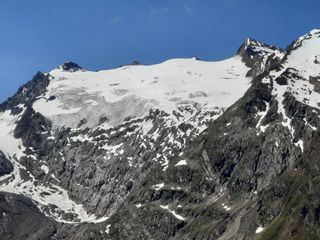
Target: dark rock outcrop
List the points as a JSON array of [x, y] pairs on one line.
[[6, 167], [20, 219]]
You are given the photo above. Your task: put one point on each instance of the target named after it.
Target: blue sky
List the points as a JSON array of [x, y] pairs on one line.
[[99, 34]]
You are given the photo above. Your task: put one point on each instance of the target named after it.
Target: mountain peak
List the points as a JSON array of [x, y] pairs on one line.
[[313, 34], [70, 67], [254, 47], [252, 51], [253, 42], [315, 31]]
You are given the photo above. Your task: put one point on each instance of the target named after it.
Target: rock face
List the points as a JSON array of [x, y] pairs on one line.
[[6, 167], [20, 219], [180, 150]]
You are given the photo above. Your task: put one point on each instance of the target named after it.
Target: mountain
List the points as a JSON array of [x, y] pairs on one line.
[[184, 149]]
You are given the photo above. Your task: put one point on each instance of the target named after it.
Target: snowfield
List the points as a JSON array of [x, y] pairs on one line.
[[131, 91]]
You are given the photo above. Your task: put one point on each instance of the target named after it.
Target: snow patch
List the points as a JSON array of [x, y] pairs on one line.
[[158, 187], [107, 231], [166, 207], [45, 169], [262, 115], [259, 229], [226, 207], [181, 163]]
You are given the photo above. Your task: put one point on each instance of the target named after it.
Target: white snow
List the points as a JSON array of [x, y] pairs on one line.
[[303, 58], [9, 145], [130, 161], [158, 186], [55, 195], [181, 163], [108, 229], [166, 207], [80, 138], [299, 144], [52, 108], [302, 62], [92, 102], [165, 164], [262, 115], [259, 229], [146, 126], [279, 92], [226, 207], [45, 169], [54, 177], [131, 91]]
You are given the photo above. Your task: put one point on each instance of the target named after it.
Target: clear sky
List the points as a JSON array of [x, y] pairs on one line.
[[38, 35]]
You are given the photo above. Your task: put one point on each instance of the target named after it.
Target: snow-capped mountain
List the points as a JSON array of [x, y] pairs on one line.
[[131, 91], [184, 149]]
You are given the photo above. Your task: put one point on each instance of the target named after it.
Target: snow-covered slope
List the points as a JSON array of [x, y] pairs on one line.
[[305, 55], [298, 75], [131, 91]]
